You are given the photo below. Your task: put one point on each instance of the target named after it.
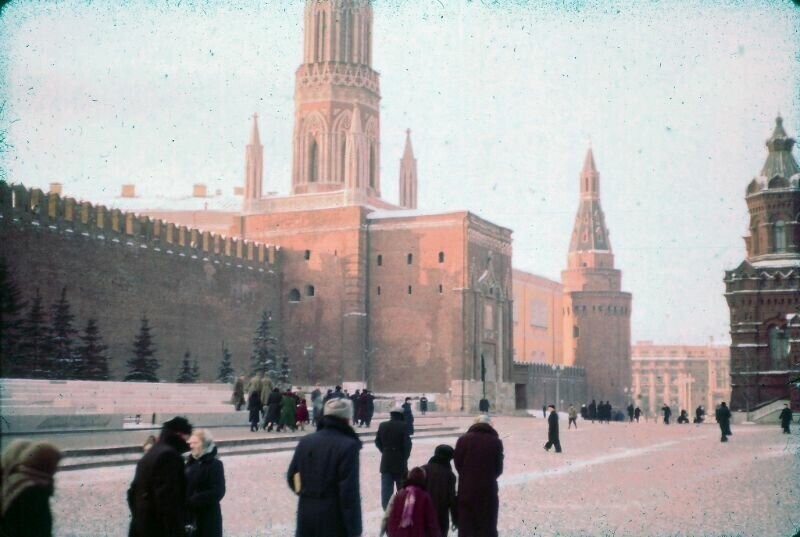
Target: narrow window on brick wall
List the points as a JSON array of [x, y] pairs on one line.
[[294, 295], [379, 289], [380, 260], [441, 289], [308, 254], [310, 291], [575, 331], [409, 289], [441, 257], [410, 258]]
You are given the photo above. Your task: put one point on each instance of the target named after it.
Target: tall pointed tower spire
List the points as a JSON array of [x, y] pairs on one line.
[[408, 176], [254, 167], [336, 76], [596, 310]]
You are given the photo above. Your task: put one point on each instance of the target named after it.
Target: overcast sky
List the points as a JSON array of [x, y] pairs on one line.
[[502, 98]]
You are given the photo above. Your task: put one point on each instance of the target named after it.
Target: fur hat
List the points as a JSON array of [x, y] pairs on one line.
[[397, 409], [178, 425], [341, 408], [443, 451], [483, 418]]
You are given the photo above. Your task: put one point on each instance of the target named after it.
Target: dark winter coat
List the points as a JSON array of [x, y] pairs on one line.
[[301, 412], [393, 442], [592, 410], [156, 495], [786, 416], [723, 415], [637, 412], [274, 407], [552, 427], [238, 392], [330, 497], [423, 404], [408, 417], [29, 515], [288, 408], [479, 462], [440, 482], [423, 519], [205, 488], [254, 406]]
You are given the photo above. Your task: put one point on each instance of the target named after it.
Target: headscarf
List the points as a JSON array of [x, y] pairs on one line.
[[27, 464], [414, 483]]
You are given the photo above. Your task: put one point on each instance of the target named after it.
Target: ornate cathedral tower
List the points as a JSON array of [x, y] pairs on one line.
[[763, 293], [254, 167], [596, 310], [337, 94], [408, 176]]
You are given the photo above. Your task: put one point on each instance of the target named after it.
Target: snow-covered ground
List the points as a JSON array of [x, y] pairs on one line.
[[612, 479]]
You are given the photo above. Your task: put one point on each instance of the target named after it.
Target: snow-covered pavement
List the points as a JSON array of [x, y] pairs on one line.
[[612, 479]]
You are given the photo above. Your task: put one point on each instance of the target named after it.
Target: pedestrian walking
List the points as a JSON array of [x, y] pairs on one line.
[[254, 408], [408, 416], [667, 413], [637, 413], [205, 486], [288, 409], [609, 412], [354, 399], [723, 415], [479, 461], [423, 405], [316, 404], [630, 413], [27, 471], [367, 408], [592, 410], [573, 417], [157, 493], [544, 411], [552, 430], [324, 474], [273, 417], [786, 419], [699, 414], [238, 393], [394, 443], [301, 413], [584, 412], [440, 483], [410, 512]]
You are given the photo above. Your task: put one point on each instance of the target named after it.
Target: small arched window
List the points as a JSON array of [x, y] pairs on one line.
[[409, 289], [441, 289], [310, 291], [380, 260], [379, 289], [778, 347], [441, 257], [294, 295], [410, 258], [313, 162], [780, 237]]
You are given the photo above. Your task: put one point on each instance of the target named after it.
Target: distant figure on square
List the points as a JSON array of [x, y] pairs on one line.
[[394, 443], [410, 511], [28, 468], [637, 413], [238, 393], [301, 414], [684, 417], [440, 483], [593, 410], [254, 408], [324, 474], [573, 417], [552, 430], [273, 415], [786, 419], [205, 486], [479, 462], [157, 493], [366, 408], [423, 405], [631, 411], [408, 416], [584, 412], [483, 406], [699, 414], [723, 415], [288, 411], [667, 413]]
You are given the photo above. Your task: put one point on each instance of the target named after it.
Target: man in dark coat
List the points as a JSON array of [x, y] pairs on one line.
[[158, 491], [479, 462], [552, 430], [699, 414], [592, 410], [637, 413], [723, 415], [238, 393], [667, 413], [273, 416], [440, 484], [786, 419], [630, 412], [369, 407], [408, 416], [423, 405], [394, 443], [324, 474]]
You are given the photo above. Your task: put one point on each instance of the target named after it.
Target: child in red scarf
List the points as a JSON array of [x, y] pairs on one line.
[[410, 511]]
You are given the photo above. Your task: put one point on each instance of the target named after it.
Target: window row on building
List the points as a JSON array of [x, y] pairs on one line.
[[409, 259], [409, 289], [607, 309]]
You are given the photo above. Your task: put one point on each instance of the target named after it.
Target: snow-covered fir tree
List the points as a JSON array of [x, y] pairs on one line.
[[92, 354], [143, 365]]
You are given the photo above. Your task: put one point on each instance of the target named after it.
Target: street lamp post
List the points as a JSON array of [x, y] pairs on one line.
[[557, 369]]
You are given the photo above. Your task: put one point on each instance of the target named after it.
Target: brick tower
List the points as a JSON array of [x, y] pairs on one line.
[[337, 93], [254, 167], [597, 322], [762, 292]]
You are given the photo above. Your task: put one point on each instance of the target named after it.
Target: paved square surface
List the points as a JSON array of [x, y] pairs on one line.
[[612, 479]]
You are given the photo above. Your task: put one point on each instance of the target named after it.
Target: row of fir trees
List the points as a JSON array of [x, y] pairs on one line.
[[34, 344]]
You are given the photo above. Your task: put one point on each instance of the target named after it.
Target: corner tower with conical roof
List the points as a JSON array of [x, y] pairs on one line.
[[408, 176], [335, 81], [596, 311], [253, 167], [763, 294]]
